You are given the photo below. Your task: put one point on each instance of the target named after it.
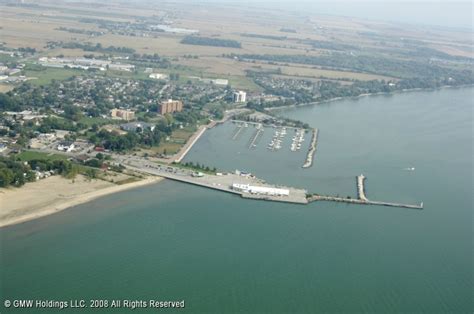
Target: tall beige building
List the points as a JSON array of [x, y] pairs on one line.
[[170, 106], [122, 114]]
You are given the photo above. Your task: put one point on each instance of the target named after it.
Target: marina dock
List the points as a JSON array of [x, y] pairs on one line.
[[312, 149], [238, 131], [256, 137]]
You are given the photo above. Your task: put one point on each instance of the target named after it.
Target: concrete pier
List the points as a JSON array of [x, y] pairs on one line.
[[224, 183], [362, 198], [216, 182], [315, 198], [360, 188], [312, 149]]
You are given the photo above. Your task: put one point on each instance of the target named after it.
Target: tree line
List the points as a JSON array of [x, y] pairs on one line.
[[208, 41]]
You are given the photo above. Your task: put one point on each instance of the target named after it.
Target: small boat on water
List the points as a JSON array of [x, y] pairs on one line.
[[409, 169]]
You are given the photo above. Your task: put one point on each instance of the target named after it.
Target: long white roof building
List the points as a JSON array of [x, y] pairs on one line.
[[262, 190]]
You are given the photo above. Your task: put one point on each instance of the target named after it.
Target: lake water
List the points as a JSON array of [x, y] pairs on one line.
[[224, 254]]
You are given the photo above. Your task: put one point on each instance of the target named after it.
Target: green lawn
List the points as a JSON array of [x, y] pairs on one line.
[[96, 120], [245, 83], [46, 75], [165, 147], [182, 134], [7, 58], [30, 155]]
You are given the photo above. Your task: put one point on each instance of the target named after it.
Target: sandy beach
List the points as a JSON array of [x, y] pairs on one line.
[[54, 194]]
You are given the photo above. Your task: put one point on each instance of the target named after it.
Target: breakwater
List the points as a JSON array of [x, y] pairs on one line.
[[312, 149], [362, 198]]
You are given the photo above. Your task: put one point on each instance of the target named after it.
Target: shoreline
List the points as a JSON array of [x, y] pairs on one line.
[[366, 95], [75, 201]]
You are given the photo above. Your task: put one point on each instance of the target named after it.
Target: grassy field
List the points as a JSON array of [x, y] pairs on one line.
[[96, 120], [30, 155], [234, 68], [46, 75], [166, 148], [182, 134]]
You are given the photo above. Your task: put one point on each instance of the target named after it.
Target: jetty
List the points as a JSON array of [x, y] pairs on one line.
[[362, 198], [361, 188], [312, 149]]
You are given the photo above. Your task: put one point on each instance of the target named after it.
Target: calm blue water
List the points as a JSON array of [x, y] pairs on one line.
[[223, 254]]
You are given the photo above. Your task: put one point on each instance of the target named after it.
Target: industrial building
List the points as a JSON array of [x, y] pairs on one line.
[[261, 190], [158, 76], [66, 146], [121, 67], [170, 106], [122, 114], [240, 96]]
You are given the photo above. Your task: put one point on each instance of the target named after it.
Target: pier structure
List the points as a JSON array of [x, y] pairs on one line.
[[362, 198], [226, 182], [256, 137], [237, 132], [361, 188], [222, 182], [312, 149]]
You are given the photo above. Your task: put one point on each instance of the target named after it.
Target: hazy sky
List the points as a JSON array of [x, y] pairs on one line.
[[444, 13]]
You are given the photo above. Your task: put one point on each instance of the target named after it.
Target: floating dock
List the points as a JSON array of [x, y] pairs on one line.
[[237, 132], [312, 149], [256, 137]]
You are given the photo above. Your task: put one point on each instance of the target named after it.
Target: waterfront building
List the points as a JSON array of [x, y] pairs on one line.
[[170, 106], [261, 190]]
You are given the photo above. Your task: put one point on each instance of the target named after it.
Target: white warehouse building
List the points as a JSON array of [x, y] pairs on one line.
[[240, 96], [262, 190]]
